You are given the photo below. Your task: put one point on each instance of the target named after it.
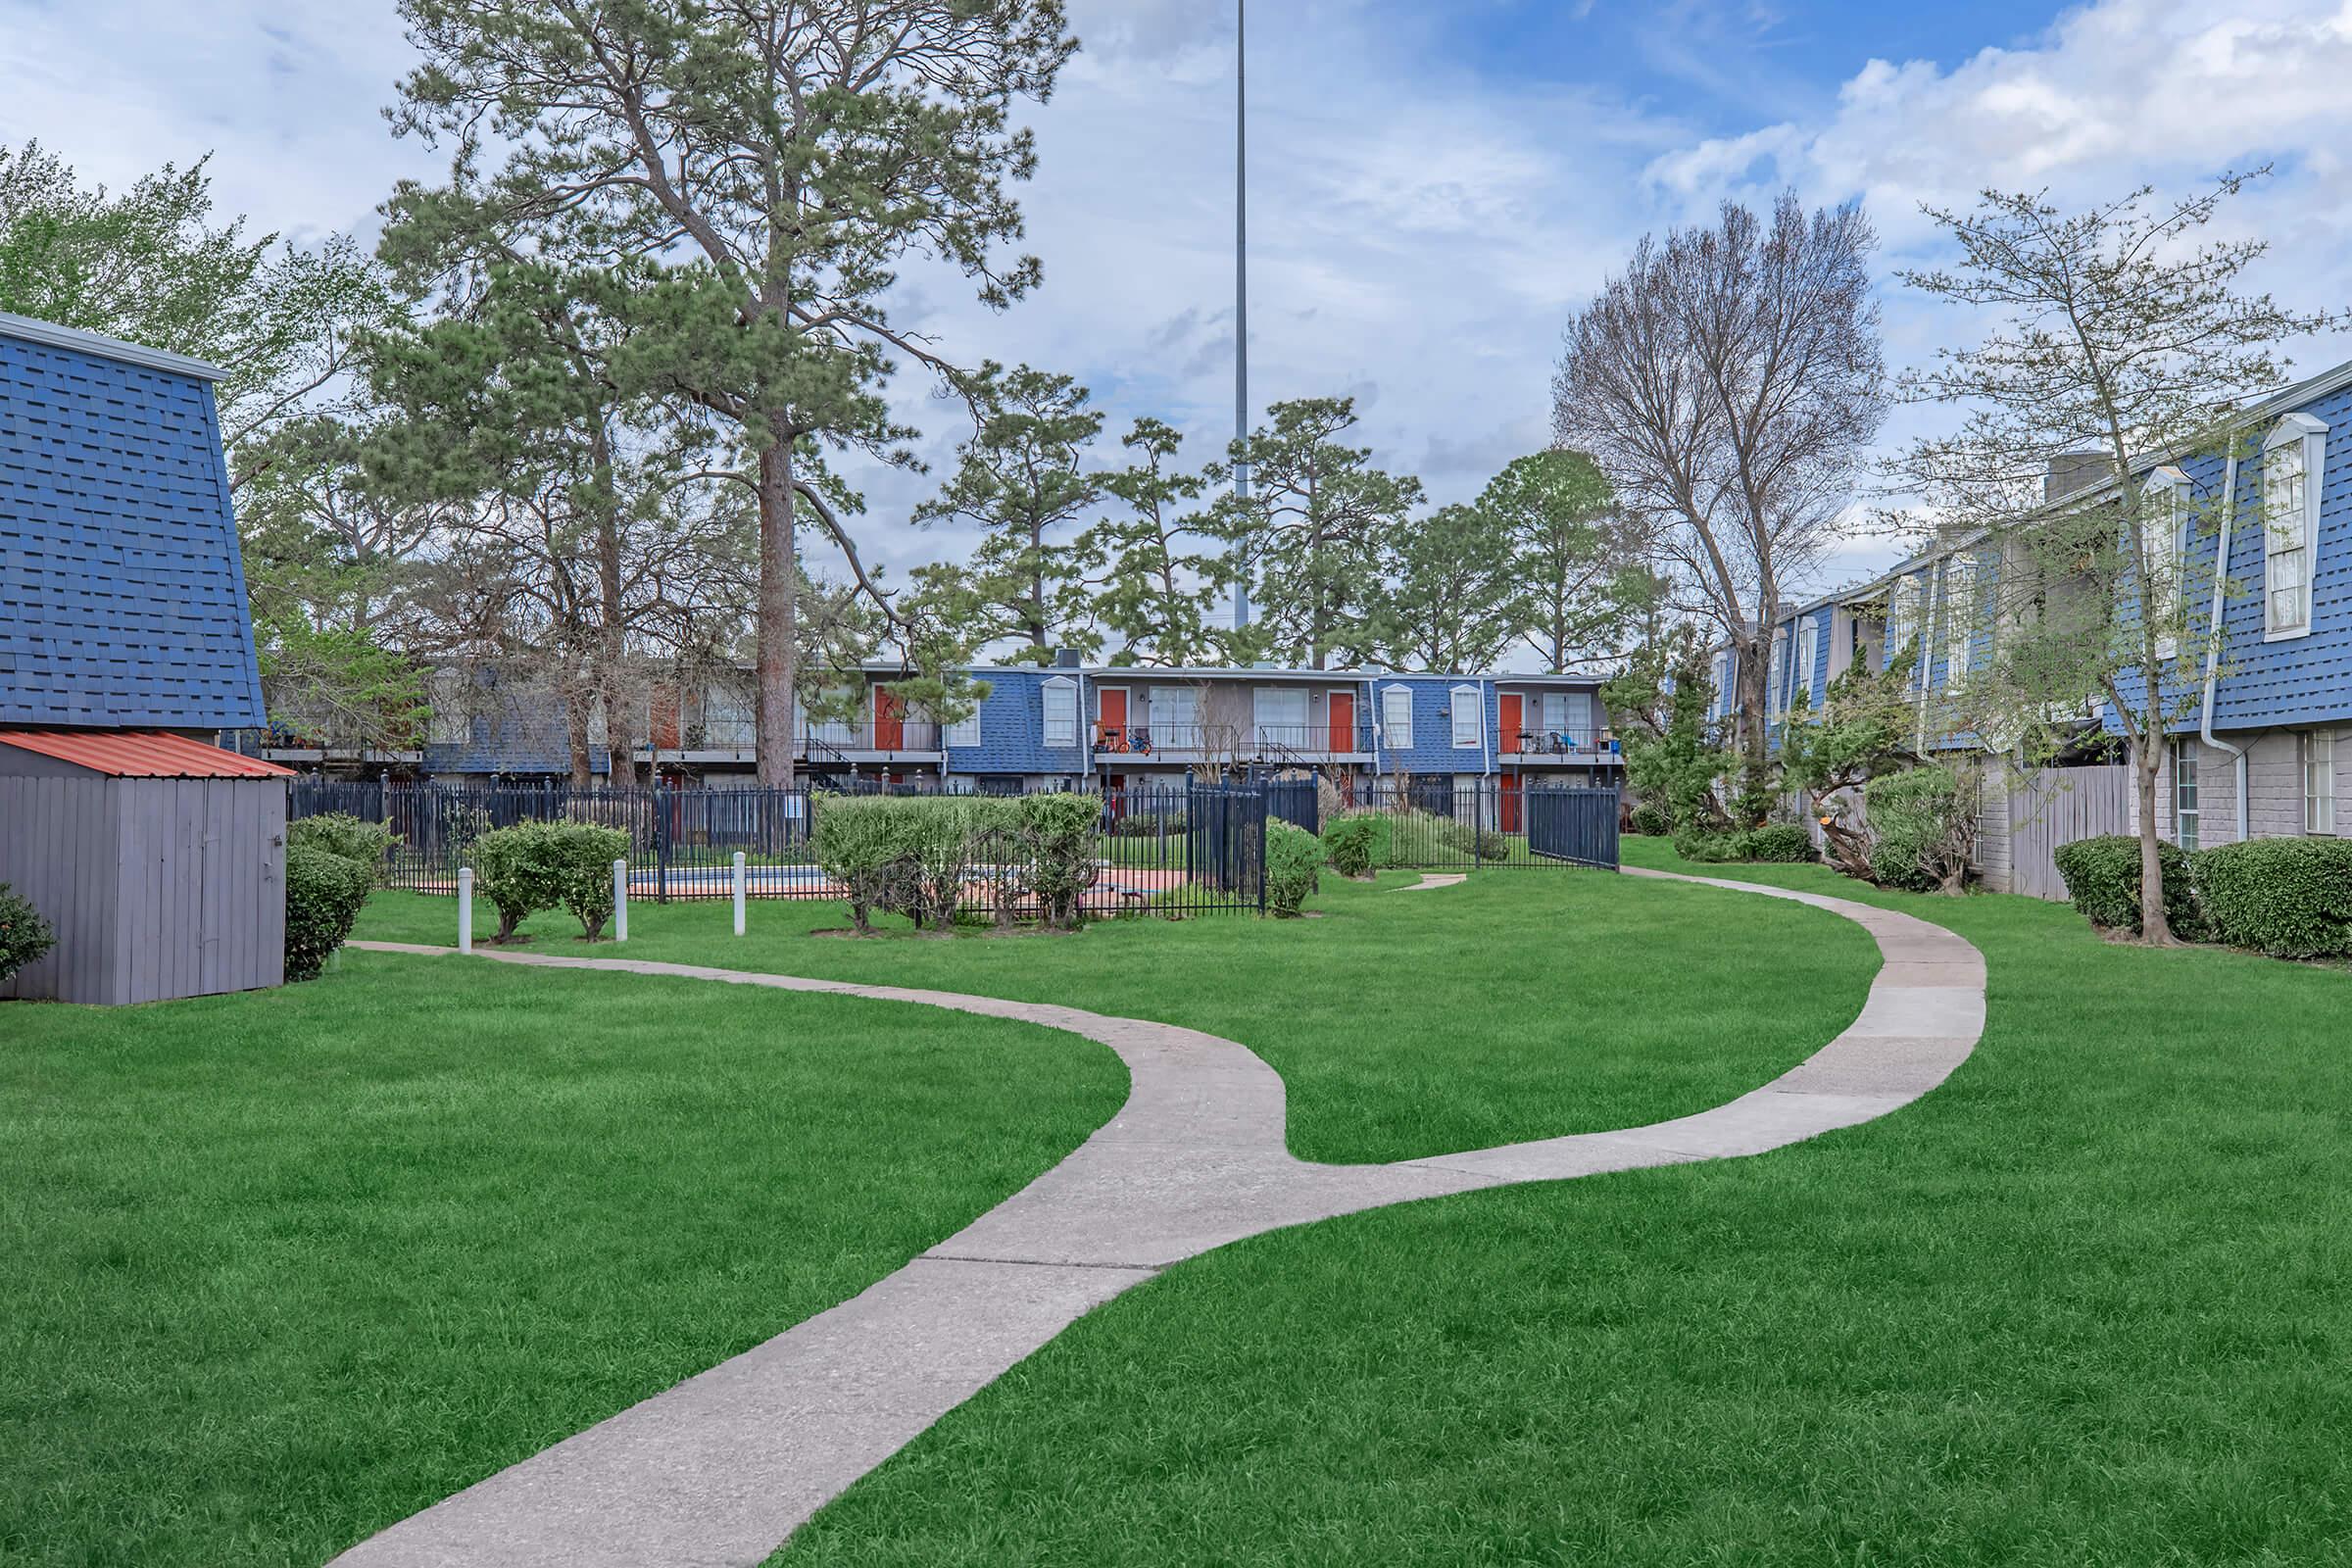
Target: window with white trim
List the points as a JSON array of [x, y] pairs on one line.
[[1061, 711], [1396, 717], [1904, 608], [1469, 716], [1175, 716], [1280, 714], [965, 731], [1777, 692], [2318, 782], [1959, 621], [1808, 637], [2164, 548], [2292, 459], [2185, 793], [1722, 706]]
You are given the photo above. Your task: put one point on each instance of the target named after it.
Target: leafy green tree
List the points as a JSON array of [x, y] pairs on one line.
[[780, 159], [610, 552], [1021, 482], [1576, 558], [1161, 565], [1661, 701], [1863, 732], [1312, 529], [1445, 597], [153, 266], [2122, 346]]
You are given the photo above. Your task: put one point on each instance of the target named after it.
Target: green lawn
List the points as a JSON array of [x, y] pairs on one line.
[[278, 1270], [1523, 1003], [2086, 1303]]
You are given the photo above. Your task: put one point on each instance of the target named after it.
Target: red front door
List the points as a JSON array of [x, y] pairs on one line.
[[1343, 721], [1112, 734], [1513, 721], [890, 721]]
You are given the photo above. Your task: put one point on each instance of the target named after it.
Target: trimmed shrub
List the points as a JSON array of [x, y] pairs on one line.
[[1461, 838], [915, 855], [1293, 867], [1352, 843], [1783, 842], [546, 865], [1650, 819], [1146, 824], [324, 895], [2288, 898], [24, 935], [1777, 842], [1924, 822], [1059, 833], [362, 842], [2102, 878], [1380, 835]]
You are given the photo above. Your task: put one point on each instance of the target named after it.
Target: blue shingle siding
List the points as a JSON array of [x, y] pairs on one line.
[[1433, 750], [122, 595], [1012, 729], [2300, 680]]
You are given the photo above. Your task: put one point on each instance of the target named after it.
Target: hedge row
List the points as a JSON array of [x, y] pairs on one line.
[[2288, 898], [915, 855], [1778, 842]]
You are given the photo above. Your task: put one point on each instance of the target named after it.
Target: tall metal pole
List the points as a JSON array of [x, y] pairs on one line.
[[1240, 290]]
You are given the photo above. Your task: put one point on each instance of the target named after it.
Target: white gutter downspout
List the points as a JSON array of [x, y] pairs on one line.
[[1372, 696], [1936, 587], [2213, 646]]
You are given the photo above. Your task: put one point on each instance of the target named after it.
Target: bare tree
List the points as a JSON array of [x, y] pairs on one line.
[[2127, 352], [1729, 382]]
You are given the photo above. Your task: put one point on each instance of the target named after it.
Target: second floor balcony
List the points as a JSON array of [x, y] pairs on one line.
[[1234, 743]]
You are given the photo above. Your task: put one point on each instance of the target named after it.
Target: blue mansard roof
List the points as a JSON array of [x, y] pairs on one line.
[[122, 595]]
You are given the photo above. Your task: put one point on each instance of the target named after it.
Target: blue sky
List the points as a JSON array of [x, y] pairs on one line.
[[1437, 184]]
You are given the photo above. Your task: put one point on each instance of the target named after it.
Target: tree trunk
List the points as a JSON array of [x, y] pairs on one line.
[[610, 640], [779, 607], [2154, 928], [576, 738]]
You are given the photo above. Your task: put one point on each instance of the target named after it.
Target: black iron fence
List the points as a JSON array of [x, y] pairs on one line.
[[1446, 823], [1176, 848]]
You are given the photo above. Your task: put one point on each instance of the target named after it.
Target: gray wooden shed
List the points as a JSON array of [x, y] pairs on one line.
[[159, 860]]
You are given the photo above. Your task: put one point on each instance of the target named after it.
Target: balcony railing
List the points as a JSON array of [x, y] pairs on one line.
[[1240, 742], [904, 735], [1557, 743]]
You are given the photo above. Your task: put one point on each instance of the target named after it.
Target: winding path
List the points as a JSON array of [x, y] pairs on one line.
[[719, 1469]]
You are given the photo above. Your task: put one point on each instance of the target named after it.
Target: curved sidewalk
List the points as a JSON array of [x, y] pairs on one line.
[[721, 1468]]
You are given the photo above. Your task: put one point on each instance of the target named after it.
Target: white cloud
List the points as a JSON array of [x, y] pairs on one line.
[[1419, 232]]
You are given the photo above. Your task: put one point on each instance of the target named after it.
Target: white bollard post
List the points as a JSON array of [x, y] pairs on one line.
[[620, 901], [739, 880], [465, 910]]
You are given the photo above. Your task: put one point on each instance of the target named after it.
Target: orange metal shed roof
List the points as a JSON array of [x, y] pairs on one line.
[[140, 754]]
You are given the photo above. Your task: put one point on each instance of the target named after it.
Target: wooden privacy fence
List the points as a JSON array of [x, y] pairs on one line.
[[2056, 806]]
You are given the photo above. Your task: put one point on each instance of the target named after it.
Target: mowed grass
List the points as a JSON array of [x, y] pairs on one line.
[[278, 1270], [1523, 1003], [2086, 1303]]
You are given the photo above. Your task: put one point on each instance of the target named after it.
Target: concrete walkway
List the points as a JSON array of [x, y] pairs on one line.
[[1431, 880], [719, 1470]]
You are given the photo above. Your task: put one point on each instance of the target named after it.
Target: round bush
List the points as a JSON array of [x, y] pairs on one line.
[[324, 895], [1352, 842], [545, 865], [1650, 820], [1778, 842], [2102, 878], [362, 842], [1293, 867], [24, 935], [2288, 898]]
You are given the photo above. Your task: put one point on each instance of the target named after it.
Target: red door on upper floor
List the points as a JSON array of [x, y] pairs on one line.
[[1343, 721], [890, 721], [1110, 734], [1513, 720]]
